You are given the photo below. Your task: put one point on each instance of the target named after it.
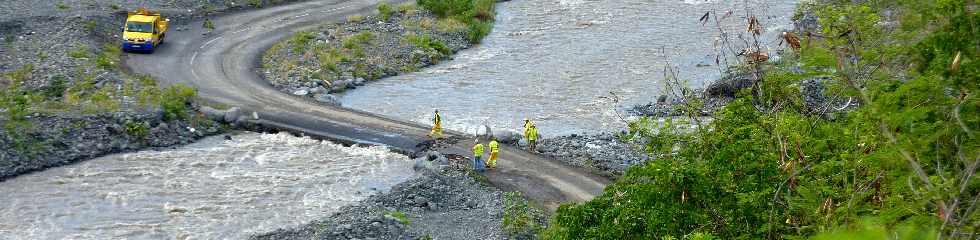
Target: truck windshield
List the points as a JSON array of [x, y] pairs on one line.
[[139, 27]]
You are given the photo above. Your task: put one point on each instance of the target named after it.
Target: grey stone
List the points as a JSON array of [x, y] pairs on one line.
[[328, 99], [301, 92], [232, 114]]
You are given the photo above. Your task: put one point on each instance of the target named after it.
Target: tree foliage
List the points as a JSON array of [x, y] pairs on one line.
[[767, 167]]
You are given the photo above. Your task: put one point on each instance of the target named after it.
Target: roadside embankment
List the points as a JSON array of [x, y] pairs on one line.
[[443, 202]]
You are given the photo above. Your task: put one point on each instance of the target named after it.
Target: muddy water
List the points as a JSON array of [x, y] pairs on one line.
[[556, 60], [213, 189]]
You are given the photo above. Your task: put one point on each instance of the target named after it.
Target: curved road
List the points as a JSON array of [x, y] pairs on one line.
[[224, 65]]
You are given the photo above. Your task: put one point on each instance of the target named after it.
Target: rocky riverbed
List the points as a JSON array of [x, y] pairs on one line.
[[442, 203], [63, 139], [606, 154], [65, 96], [340, 56]]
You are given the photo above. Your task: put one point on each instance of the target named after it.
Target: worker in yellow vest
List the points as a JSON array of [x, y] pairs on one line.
[[527, 126], [436, 132], [494, 150], [532, 137], [477, 155]]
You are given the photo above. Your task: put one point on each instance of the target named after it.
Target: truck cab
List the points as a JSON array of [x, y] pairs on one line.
[[144, 31]]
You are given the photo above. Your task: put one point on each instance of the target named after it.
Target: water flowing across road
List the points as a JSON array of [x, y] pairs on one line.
[[213, 189], [554, 60]]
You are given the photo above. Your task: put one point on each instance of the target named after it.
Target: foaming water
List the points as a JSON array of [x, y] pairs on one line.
[[213, 189], [556, 60]]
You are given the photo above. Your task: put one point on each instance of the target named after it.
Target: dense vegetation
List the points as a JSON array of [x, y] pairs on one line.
[[478, 15], [901, 165]]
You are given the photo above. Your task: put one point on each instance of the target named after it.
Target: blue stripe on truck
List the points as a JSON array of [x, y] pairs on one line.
[[128, 46]]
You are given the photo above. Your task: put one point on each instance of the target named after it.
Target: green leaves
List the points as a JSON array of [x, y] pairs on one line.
[[783, 173]]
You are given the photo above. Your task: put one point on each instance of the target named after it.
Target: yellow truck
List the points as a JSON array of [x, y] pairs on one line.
[[144, 31]]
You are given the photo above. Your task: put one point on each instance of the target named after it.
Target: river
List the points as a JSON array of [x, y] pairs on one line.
[[556, 61], [212, 189]]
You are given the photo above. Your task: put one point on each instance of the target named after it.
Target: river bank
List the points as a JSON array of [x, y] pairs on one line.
[[442, 203], [65, 96], [340, 56]]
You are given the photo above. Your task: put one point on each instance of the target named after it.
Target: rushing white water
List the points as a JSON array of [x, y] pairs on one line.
[[555, 61], [213, 189]]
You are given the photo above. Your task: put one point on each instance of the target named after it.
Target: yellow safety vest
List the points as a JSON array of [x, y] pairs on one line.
[[494, 146], [437, 120], [478, 150], [532, 134], [527, 127]]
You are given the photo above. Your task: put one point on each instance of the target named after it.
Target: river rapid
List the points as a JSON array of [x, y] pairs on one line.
[[212, 189], [558, 61]]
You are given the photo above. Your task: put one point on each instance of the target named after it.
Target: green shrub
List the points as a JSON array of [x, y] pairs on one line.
[[90, 25], [174, 101], [400, 216], [478, 30], [79, 52], [330, 58], [301, 40], [137, 129], [477, 14], [407, 8], [357, 40], [904, 157], [255, 3], [427, 42], [520, 220], [385, 11], [57, 88], [447, 8]]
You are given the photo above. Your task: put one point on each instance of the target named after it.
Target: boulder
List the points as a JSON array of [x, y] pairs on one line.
[[507, 136], [301, 92], [732, 83], [232, 114], [328, 99], [213, 114]]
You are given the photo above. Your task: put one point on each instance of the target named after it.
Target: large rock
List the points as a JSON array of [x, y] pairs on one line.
[[232, 114], [328, 99], [213, 114], [507, 136], [733, 82]]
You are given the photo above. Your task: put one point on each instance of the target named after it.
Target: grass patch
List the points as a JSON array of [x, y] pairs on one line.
[[355, 18], [385, 11], [478, 15], [79, 52], [427, 42], [520, 220], [137, 129], [357, 40], [483, 180], [330, 58], [398, 215], [450, 25], [108, 58], [407, 8], [255, 3], [301, 40]]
